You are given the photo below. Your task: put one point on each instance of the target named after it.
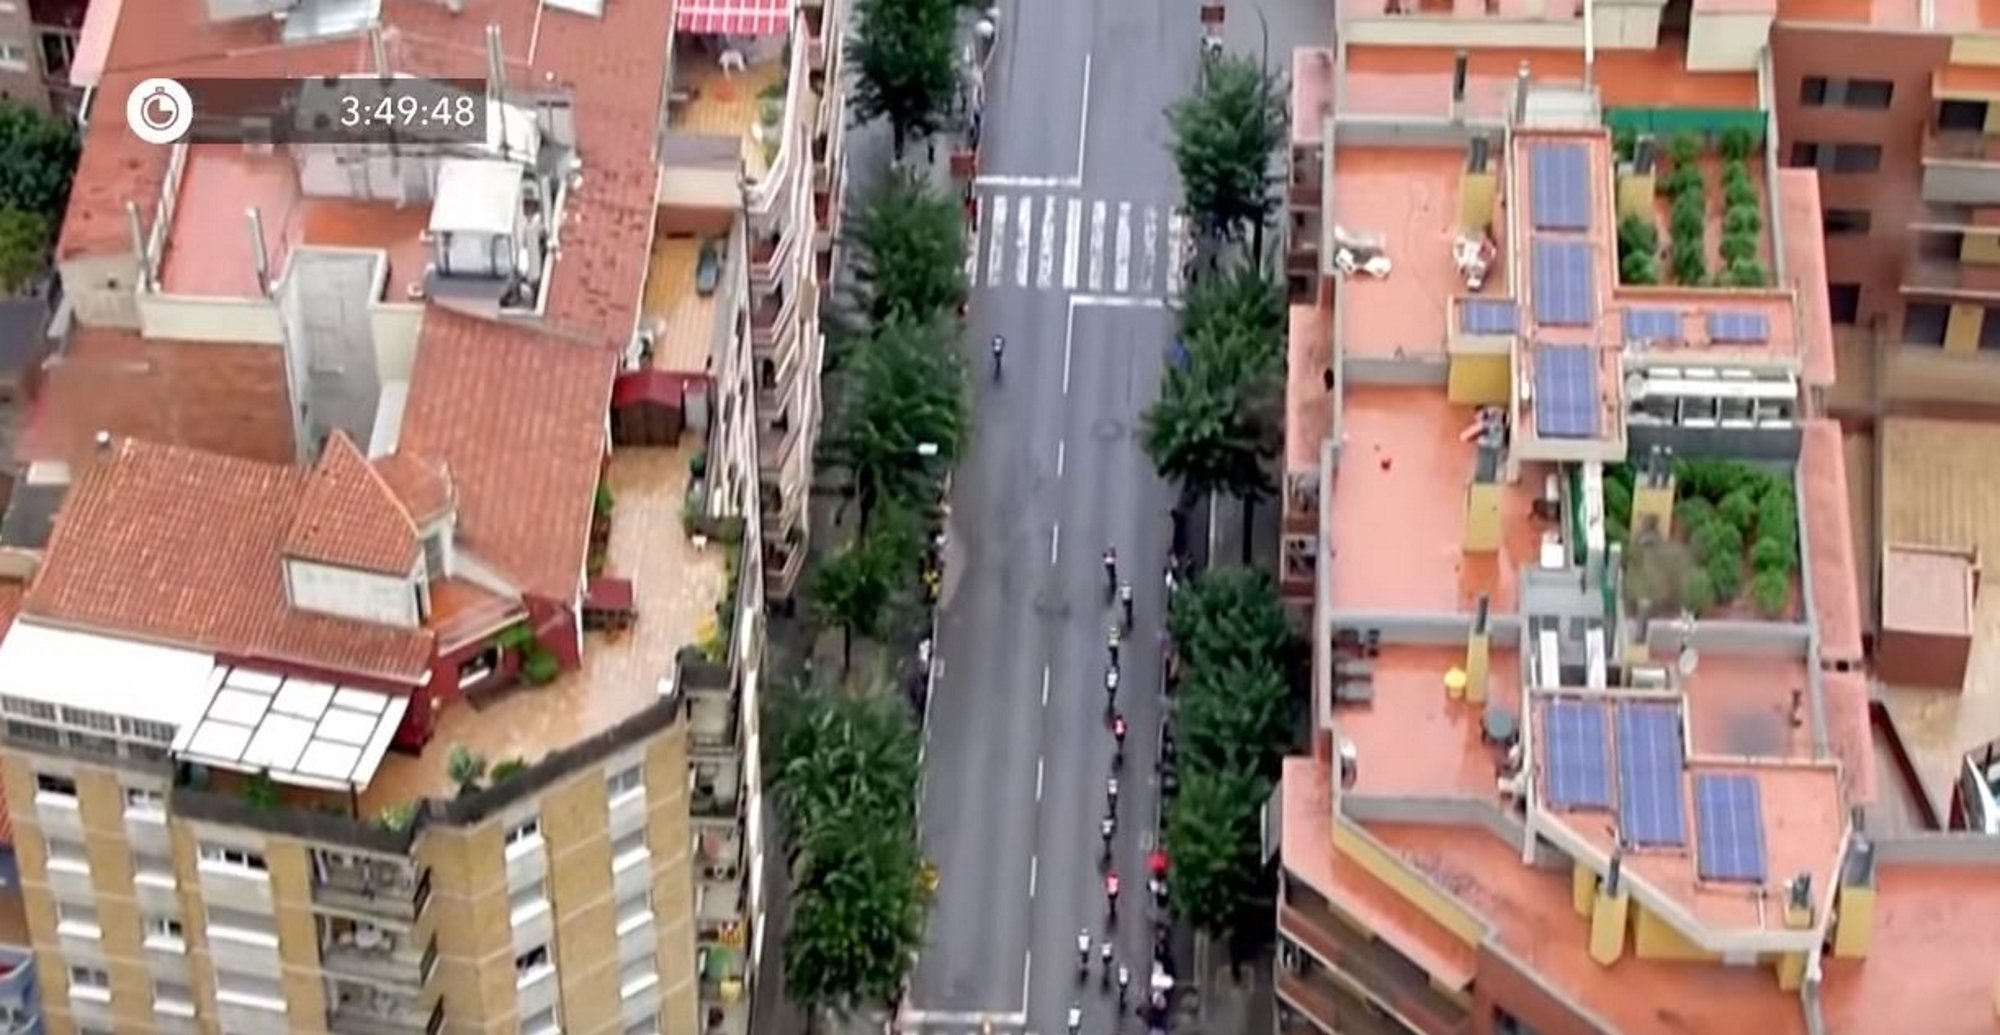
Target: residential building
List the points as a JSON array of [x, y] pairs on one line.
[[1564, 779], [39, 52], [425, 456], [20, 1000]]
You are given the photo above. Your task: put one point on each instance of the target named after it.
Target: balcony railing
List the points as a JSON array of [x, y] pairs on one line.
[[1949, 277], [17, 978], [774, 448], [715, 801], [384, 887], [374, 954], [357, 1010], [1961, 146], [1385, 973]]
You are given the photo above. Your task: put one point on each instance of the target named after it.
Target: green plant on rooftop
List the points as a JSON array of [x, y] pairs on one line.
[[539, 665], [465, 769], [507, 769], [1728, 512], [1684, 149], [905, 66], [1742, 227], [1624, 143], [1638, 251], [1771, 593], [1686, 190], [1231, 641], [397, 818], [1736, 144], [1224, 136], [906, 247], [260, 791]]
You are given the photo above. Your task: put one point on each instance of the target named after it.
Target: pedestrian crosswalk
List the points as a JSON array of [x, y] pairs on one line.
[[1054, 241]]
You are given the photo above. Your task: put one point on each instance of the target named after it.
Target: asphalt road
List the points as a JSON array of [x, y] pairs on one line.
[[1074, 266]]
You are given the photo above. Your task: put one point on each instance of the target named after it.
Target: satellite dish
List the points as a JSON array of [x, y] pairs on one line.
[[1635, 385], [1689, 660]]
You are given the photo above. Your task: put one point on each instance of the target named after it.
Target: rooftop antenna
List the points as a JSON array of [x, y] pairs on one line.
[[1458, 71], [496, 84], [103, 440], [259, 259], [379, 48], [1521, 94], [134, 227]]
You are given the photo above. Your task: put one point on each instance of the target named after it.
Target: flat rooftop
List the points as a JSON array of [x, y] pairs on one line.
[[1411, 707], [1938, 489], [1408, 198], [676, 590], [208, 253], [1417, 80], [1405, 465]]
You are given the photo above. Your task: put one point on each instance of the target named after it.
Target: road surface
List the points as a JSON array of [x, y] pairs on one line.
[[1075, 264]]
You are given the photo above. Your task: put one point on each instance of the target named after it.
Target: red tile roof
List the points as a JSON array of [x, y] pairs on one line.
[[423, 487], [614, 66], [181, 546], [221, 398], [349, 517], [519, 419]]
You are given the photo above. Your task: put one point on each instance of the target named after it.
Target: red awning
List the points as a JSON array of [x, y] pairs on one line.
[[735, 17], [606, 593]]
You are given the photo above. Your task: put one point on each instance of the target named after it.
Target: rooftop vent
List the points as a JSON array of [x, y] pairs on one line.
[[488, 235]]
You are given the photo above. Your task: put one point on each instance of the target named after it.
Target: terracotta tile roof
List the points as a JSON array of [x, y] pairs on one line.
[[349, 517], [220, 398], [181, 546], [612, 65], [519, 419], [423, 487]]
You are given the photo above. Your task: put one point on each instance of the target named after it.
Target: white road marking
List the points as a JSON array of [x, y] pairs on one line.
[[1022, 182], [1038, 779], [1055, 543], [1045, 701], [1121, 278], [1071, 243], [1045, 259], [1149, 261], [1024, 233], [1034, 867], [1083, 124], [1117, 302], [1061, 447], [1176, 251], [996, 239], [972, 242], [1027, 972], [1097, 246], [1069, 323], [937, 1018]]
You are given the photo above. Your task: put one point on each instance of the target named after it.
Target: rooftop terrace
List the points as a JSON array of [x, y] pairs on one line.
[[1409, 198], [736, 103], [677, 587], [1417, 80]]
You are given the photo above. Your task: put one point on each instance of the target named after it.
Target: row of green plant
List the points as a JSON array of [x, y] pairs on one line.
[[1686, 190], [1235, 725], [1224, 136], [1726, 511], [38, 156]]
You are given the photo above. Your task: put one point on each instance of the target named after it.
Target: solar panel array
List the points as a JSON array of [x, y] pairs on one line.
[[1579, 758], [1488, 316], [1651, 808], [1565, 284], [1566, 391], [1652, 325], [1559, 180], [1729, 820], [1738, 327]]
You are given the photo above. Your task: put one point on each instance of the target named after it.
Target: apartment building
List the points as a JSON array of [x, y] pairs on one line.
[[1576, 769], [461, 472]]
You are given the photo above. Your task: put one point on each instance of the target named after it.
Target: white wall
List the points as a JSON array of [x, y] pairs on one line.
[[384, 599]]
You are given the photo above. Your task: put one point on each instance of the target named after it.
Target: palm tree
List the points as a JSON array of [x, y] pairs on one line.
[[904, 415], [858, 588]]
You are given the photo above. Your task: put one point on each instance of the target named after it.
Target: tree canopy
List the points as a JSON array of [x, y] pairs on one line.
[[1235, 716], [1228, 615], [1213, 834], [1225, 136], [1243, 301], [1216, 425], [907, 249], [905, 65], [24, 248], [904, 412], [37, 159], [858, 588]]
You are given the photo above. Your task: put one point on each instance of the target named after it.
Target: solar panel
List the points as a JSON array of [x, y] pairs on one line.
[[1566, 391], [1651, 807], [1730, 825], [1488, 316], [1565, 293], [1559, 178], [1737, 327], [1579, 762], [1642, 325]]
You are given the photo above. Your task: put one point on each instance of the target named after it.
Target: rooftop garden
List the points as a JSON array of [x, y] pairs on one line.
[[1686, 212], [1734, 543]]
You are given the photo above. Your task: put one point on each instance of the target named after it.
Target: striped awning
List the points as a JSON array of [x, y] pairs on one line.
[[735, 17]]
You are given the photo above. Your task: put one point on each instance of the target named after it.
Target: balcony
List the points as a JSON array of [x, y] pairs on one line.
[[722, 984], [718, 855], [815, 37], [18, 998], [775, 445], [718, 903], [371, 953], [1320, 1000], [1961, 168], [360, 1010], [1398, 983], [714, 791], [1936, 276], [388, 888], [712, 724]]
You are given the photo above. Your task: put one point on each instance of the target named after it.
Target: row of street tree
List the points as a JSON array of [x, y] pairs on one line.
[[38, 156], [846, 756]]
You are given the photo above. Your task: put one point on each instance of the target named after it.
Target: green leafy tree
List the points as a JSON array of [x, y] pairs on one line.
[[24, 248], [858, 917], [1225, 136], [907, 243], [38, 156], [1236, 716], [858, 588], [905, 66], [1213, 836], [1229, 614], [904, 413], [839, 753], [1245, 301], [1216, 427]]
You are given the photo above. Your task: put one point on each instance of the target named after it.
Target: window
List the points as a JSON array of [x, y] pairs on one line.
[[1861, 94], [1837, 158], [541, 1022], [241, 925], [152, 868], [249, 990], [624, 785], [637, 976], [65, 854], [522, 838], [1812, 91], [145, 803], [434, 555], [1839, 221], [21, 706], [58, 48], [14, 55], [51, 789], [173, 998], [1924, 323], [529, 901], [1843, 303], [628, 851], [164, 932], [1505, 1023], [90, 983], [77, 919], [85, 718], [1962, 116], [636, 910], [1870, 94], [479, 667], [1989, 331], [532, 966], [230, 857]]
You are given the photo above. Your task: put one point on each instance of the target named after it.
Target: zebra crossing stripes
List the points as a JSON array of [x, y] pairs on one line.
[[1108, 246]]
